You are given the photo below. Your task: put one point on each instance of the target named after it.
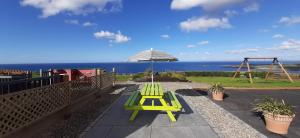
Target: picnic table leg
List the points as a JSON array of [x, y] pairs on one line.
[[170, 114], [135, 112]]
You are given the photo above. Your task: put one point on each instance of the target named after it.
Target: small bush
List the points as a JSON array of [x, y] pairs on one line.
[[216, 88], [163, 76], [138, 76], [270, 105], [210, 73], [257, 74], [226, 74]]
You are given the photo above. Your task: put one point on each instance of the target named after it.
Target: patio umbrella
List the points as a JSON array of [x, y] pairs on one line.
[[152, 55]]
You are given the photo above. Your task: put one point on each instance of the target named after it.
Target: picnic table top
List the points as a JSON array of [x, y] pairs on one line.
[[152, 90]]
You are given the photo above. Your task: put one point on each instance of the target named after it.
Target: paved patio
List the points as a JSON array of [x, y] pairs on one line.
[[150, 124], [240, 103]]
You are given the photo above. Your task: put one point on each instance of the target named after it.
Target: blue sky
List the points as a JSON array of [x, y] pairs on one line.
[[60, 31]]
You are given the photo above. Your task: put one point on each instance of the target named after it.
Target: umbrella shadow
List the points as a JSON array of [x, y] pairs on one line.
[[192, 92]]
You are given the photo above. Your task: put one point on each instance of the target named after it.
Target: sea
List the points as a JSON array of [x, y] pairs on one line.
[[129, 67]]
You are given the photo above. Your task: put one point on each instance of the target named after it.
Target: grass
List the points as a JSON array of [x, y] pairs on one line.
[[35, 74], [123, 77], [244, 82]]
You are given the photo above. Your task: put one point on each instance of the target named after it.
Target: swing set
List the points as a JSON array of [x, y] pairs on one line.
[[274, 62]]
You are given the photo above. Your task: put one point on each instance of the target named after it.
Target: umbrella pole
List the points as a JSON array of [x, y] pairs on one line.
[[152, 72]]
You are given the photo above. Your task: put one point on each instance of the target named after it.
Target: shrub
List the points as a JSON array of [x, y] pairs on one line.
[[270, 105], [226, 74], [163, 76], [179, 76], [210, 73], [123, 77], [138, 76], [257, 74], [215, 88]]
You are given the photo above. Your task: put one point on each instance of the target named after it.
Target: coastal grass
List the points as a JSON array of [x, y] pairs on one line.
[[244, 82], [123, 77]]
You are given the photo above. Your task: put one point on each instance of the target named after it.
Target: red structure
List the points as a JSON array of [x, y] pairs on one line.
[[76, 74]]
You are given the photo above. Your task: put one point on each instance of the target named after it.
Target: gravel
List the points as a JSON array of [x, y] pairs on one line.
[[225, 124]]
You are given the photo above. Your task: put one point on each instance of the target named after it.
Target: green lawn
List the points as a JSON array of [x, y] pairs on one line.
[[244, 82], [123, 77]]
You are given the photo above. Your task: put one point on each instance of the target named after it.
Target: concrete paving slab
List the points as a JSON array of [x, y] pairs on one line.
[[98, 132], [155, 124], [203, 132], [193, 119], [171, 132], [129, 132]]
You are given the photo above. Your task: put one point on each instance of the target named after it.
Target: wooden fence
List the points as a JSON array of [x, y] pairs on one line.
[[22, 108]]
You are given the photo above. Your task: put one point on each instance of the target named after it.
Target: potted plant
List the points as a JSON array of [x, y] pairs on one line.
[[217, 91], [278, 115]]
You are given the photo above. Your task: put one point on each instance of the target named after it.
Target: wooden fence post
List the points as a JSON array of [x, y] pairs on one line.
[[41, 75], [100, 78], [114, 76]]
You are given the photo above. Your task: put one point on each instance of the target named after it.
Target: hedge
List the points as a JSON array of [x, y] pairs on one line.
[[225, 74]]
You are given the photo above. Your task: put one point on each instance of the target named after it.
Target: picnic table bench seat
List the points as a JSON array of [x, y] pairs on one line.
[[168, 100], [132, 102]]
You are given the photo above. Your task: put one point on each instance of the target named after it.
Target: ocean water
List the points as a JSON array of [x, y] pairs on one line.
[[137, 67]]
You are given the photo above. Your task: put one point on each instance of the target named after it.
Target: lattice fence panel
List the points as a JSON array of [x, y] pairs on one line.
[[106, 80], [22, 108]]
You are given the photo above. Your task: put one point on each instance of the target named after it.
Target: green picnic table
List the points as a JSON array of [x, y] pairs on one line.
[[168, 100]]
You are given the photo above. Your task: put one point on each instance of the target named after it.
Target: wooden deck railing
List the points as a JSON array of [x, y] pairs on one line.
[[22, 108]]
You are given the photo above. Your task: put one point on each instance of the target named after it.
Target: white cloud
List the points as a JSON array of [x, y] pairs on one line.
[[290, 20], [75, 22], [290, 44], [165, 36], [205, 4], [87, 24], [274, 26], [202, 24], [278, 36], [230, 13], [112, 37], [207, 53], [263, 30], [54, 7], [253, 7], [203, 43], [119, 38], [191, 46], [242, 51]]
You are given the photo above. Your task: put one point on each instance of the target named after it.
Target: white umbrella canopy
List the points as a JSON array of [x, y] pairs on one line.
[[152, 55]]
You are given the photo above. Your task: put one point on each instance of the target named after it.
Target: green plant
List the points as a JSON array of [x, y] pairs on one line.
[[216, 88], [148, 73], [179, 76], [270, 105], [138, 76], [123, 77]]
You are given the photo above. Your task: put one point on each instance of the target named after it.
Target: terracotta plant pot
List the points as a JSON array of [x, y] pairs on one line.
[[278, 123], [218, 96]]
